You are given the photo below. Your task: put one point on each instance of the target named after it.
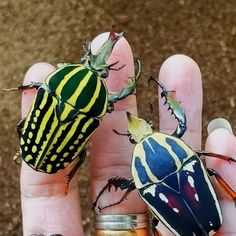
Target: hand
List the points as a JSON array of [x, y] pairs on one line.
[[222, 140], [45, 209], [183, 75]]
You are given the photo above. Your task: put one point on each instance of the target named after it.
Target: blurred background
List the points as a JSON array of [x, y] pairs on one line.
[[54, 30]]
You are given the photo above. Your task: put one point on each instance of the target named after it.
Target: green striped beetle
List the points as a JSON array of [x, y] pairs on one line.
[[67, 110], [171, 178]]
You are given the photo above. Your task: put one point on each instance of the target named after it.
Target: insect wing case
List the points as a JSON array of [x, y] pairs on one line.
[[173, 182], [62, 118]]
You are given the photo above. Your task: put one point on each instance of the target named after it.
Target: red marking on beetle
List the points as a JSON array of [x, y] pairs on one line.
[[190, 193], [113, 33]]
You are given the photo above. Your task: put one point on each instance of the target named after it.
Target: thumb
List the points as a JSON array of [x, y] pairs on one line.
[[222, 141]]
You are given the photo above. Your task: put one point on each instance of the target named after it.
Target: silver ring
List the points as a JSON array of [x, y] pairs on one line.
[[120, 222]]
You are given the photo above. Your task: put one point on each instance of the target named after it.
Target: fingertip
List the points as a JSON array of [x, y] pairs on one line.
[[179, 59], [37, 73], [182, 74], [219, 123], [221, 141], [179, 68]]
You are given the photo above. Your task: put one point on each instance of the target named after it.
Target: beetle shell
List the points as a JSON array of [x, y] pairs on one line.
[[64, 115], [174, 183]]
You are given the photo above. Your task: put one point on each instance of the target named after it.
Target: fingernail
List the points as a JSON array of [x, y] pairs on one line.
[[219, 123]]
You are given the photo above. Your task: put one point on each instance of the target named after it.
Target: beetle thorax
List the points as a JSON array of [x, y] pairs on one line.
[[138, 128], [98, 62]]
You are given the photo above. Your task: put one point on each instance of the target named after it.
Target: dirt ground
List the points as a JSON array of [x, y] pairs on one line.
[[53, 31]]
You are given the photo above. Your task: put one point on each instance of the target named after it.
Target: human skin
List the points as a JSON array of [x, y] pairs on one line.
[[45, 208]]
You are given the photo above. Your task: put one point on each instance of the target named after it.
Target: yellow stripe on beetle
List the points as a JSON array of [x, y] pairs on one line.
[[93, 100], [70, 133], [67, 78], [73, 99]]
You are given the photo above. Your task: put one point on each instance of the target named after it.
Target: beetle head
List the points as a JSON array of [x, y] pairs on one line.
[[98, 62], [138, 128]]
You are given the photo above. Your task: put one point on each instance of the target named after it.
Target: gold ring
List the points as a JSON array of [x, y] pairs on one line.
[[121, 225]]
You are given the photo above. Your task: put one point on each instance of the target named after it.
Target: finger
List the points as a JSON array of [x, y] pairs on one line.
[[111, 154], [222, 141], [45, 209], [182, 74]]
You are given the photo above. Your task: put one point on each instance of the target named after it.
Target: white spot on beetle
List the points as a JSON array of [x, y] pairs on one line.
[[151, 190], [66, 154], [49, 168], [53, 158], [191, 181], [22, 142], [30, 135], [210, 223], [28, 158], [189, 166], [196, 197], [176, 210], [37, 113], [34, 149], [163, 198], [33, 126]]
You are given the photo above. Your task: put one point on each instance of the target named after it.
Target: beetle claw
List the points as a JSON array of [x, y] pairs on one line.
[[100, 209]]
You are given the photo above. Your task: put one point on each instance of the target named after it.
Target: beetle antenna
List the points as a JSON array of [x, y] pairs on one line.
[[84, 44], [109, 67], [87, 46], [118, 133], [117, 69], [138, 67]]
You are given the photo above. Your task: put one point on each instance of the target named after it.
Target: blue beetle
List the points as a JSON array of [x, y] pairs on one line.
[[170, 177]]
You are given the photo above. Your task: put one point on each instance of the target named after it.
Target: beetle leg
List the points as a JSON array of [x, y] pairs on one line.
[[20, 126], [117, 182], [219, 156], [72, 173], [16, 158], [154, 223], [175, 108], [180, 130], [110, 107], [31, 85], [125, 92], [223, 183]]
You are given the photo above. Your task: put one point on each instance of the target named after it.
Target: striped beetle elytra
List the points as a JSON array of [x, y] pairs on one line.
[[67, 110], [170, 177]]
